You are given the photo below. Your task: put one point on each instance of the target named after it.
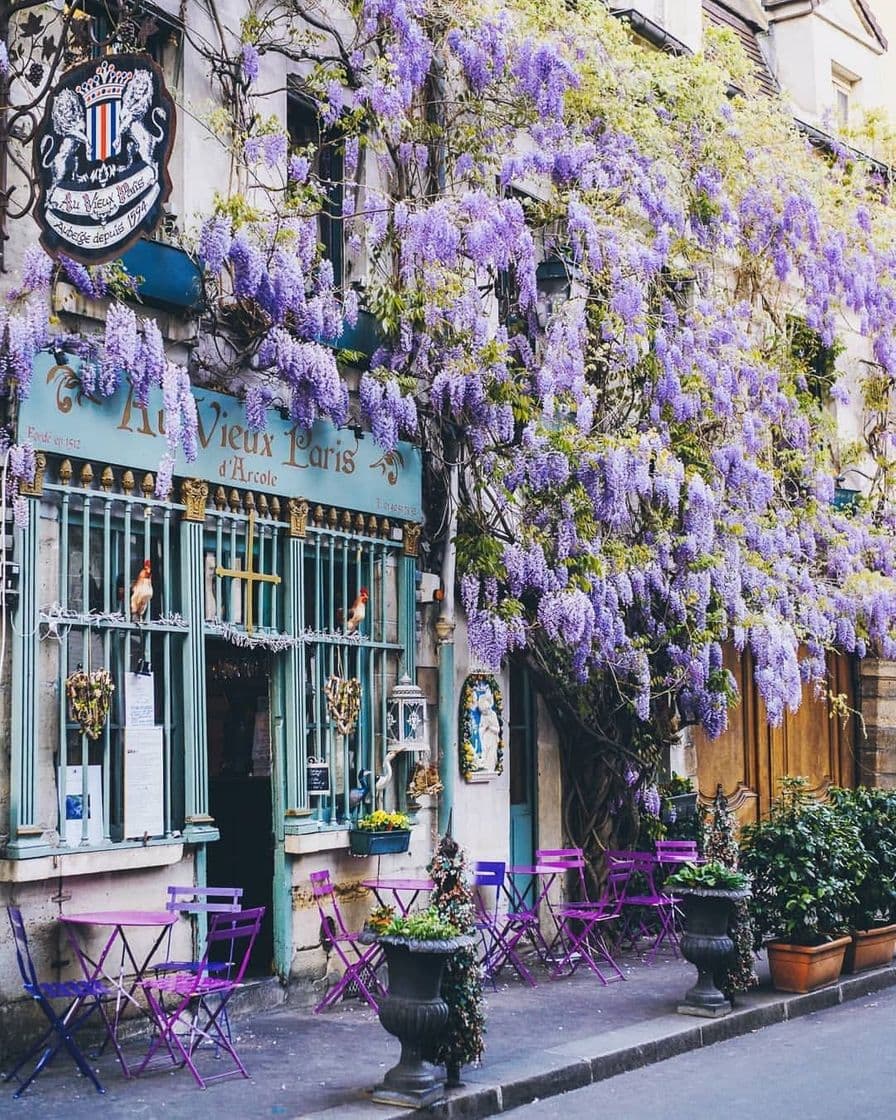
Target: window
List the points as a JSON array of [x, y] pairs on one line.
[[844, 85], [337, 604], [817, 363], [95, 542], [306, 131], [341, 568]]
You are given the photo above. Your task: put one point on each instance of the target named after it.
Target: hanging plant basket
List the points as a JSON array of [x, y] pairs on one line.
[[343, 702], [90, 697]]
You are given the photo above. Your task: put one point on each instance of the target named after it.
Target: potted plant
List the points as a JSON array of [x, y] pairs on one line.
[[463, 1039], [709, 892], [739, 972], [380, 832], [679, 798], [417, 947], [805, 860], [871, 920]]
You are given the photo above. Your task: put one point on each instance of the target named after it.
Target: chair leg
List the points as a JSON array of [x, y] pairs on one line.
[[61, 1028]]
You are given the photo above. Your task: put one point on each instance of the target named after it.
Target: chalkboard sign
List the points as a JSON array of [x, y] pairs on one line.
[[318, 777]]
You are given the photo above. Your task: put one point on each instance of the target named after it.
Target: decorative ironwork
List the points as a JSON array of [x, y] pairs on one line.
[[411, 538], [35, 488], [248, 574], [194, 495], [298, 517]]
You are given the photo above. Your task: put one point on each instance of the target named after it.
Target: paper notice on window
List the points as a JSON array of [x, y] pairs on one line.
[[139, 700], [144, 790], [74, 805]]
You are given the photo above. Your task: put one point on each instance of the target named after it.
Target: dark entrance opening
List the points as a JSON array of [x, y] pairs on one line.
[[240, 795]]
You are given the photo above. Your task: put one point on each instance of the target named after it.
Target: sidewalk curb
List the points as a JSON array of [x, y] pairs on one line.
[[493, 1090]]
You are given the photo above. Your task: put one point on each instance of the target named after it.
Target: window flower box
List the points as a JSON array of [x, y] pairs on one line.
[[377, 842]]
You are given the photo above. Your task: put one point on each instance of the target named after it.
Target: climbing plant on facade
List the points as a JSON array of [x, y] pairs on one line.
[[647, 464]]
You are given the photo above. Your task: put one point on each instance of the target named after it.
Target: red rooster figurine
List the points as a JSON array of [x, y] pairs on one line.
[[357, 611], [141, 592]]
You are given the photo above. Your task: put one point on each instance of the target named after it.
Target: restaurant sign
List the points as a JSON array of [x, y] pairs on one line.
[[327, 465], [101, 157]]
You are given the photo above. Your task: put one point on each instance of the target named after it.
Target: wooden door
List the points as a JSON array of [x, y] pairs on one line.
[[750, 759]]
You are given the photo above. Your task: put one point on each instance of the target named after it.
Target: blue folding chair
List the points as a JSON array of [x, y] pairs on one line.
[[84, 998]]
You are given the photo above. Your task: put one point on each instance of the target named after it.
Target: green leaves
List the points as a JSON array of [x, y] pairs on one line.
[[807, 861]]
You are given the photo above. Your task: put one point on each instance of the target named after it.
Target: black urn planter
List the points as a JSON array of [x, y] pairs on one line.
[[683, 804], [706, 944], [414, 1011]]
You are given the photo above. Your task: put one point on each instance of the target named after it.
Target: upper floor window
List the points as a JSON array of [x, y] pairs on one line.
[[306, 130], [843, 85]]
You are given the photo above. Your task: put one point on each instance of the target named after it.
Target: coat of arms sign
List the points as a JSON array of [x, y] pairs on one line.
[[101, 157]]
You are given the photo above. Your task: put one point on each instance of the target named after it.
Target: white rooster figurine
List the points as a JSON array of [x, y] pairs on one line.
[[141, 592]]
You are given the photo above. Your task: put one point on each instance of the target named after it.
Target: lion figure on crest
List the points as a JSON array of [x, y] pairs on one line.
[[135, 104]]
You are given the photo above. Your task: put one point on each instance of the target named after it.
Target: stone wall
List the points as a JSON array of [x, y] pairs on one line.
[[877, 703]]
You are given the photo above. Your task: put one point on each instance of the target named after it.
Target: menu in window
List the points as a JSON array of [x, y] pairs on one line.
[[139, 700], [144, 792]]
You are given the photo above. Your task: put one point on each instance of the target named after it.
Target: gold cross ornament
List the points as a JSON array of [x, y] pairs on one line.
[[248, 573]]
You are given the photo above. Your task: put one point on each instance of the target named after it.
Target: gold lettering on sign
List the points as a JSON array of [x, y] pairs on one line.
[[303, 453]]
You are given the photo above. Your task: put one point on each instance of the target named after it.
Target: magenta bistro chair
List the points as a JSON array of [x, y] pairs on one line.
[[189, 1007], [580, 936], [500, 933], [359, 961], [642, 903], [83, 996]]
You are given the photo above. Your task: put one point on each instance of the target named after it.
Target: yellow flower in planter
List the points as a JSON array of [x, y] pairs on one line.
[[381, 821]]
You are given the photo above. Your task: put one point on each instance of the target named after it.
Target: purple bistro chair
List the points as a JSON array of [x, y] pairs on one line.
[[199, 900], [500, 933], [360, 961], [643, 902], [580, 925], [83, 998], [676, 851], [188, 1007]]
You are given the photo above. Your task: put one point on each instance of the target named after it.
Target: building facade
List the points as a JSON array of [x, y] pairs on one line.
[[283, 560]]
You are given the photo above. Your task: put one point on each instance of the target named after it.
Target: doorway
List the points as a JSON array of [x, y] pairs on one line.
[[521, 740], [240, 794]]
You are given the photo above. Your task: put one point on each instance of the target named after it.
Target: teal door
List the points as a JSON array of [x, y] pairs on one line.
[[521, 745]]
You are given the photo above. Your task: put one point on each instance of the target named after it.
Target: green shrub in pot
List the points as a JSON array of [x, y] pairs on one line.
[[873, 811], [805, 860]]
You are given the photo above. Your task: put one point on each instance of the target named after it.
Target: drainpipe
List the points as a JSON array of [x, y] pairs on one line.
[[445, 625]]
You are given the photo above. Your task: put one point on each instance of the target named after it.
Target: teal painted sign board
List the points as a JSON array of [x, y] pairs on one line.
[[328, 465]]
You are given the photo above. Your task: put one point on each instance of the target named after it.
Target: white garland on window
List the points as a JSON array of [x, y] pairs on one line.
[[273, 642]]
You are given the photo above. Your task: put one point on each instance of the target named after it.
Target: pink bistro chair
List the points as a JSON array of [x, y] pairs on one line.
[[500, 933], [189, 1007], [580, 925], [359, 961]]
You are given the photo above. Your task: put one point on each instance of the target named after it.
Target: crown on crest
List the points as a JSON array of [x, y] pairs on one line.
[[106, 82]]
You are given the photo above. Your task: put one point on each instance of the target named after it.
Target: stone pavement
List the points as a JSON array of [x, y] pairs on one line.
[[561, 1035]]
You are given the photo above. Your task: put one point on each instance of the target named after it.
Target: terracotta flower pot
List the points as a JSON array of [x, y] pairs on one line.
[[803, 968], [870, 948]]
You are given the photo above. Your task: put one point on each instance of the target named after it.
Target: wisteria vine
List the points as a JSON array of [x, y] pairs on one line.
[[649, 460]]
